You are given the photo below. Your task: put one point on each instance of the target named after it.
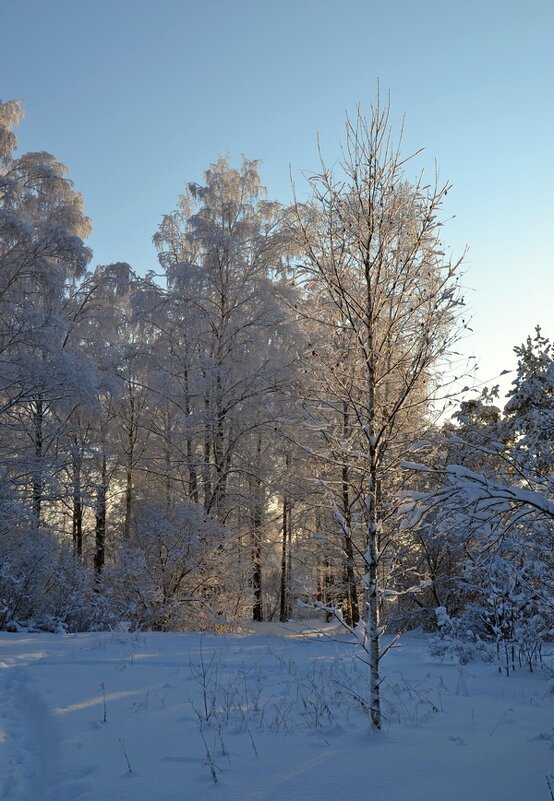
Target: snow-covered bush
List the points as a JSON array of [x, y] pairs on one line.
[[460, 639], [171, 574], [25, 563], [514, 611], [41, 584], [25, 568]]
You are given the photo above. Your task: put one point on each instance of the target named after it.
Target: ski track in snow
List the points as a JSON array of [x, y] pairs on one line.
[[31, 742], [30, 739]]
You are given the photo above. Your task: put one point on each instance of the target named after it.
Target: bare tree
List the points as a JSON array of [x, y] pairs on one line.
[[384, 299]]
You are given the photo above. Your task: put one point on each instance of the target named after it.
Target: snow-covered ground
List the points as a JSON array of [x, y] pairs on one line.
[[269, 716]]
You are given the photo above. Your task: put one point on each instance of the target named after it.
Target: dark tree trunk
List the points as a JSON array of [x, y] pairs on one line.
[[284, 607], [257, 608], [38, 467], [352, 610], [207, 456], [221, 459], [371, 557], [77, 516], [191, 455], [131, 440], [100, 529]]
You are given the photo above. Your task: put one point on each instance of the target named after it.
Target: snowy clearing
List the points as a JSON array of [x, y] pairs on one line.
[[269, 716]]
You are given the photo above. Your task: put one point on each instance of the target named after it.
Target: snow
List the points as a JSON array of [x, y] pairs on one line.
[[272, 710], [496, 491], [420, 468]]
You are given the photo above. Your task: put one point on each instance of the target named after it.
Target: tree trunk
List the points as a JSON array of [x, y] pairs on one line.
[[220, 460], [100, 528], [289, 555], [257, 609], [131, 437], [284, 607], [207, 455], [352, 610], [191, 455], [373, 633], [168, 474], [371, 557], [77, 516], [38, 467]]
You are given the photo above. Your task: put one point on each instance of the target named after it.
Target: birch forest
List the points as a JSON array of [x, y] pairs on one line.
[[274, 422]]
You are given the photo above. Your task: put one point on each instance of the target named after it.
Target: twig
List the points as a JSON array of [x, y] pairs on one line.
[[125, 754], [209, 756], [103, 688], [499, 721]]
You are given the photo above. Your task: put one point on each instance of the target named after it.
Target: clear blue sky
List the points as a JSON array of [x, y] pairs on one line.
[[137, 97]]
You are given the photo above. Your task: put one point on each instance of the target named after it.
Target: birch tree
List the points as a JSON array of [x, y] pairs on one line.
[[375, 264], [231, 341], [42, 259]]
